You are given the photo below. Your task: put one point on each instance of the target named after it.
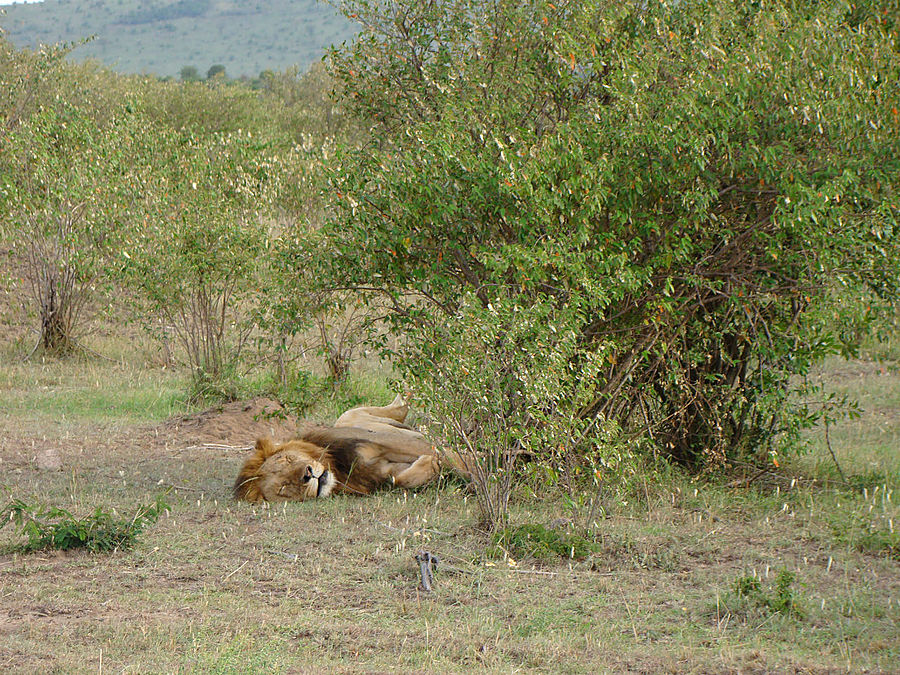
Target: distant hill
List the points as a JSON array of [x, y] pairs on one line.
[[163, 36]]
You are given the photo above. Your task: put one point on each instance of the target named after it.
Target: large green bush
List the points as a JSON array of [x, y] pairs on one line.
[[681, 196]]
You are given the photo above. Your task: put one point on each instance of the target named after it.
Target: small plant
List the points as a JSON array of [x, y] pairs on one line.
[[540, 542], [880, 542], [785, 599], [747, 586], [55, 528], [781, 598]]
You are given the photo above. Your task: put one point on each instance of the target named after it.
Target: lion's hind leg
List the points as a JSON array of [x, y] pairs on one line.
[[414, 475], [394, 412]]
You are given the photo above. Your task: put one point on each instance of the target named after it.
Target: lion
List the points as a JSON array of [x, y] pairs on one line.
[[367, 448]]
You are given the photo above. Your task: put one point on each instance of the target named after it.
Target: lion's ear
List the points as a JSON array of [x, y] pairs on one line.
[[265, 446]]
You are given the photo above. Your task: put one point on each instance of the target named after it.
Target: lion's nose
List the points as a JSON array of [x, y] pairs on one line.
[[323, 480]]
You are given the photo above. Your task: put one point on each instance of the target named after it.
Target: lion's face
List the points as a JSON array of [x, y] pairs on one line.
[[291, 474]]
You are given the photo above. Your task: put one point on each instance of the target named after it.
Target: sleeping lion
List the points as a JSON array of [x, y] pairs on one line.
[[367, 448]]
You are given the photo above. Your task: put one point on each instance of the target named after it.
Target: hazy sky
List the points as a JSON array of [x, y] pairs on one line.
[[10, 2]]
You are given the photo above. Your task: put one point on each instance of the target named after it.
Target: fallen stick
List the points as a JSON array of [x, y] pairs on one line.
[[233, 572], [427, 565]]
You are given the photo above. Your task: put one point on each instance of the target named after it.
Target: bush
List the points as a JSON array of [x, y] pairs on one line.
[[55, 528], [196, 260], [70, 188], [665, 184], [781, 598], [540, 542]]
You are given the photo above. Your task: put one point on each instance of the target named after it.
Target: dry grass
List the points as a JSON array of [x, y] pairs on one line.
[[332, 586]]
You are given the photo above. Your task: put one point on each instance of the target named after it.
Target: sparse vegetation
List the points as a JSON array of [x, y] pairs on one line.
[[540, 542], [781, 597], [53, 528]]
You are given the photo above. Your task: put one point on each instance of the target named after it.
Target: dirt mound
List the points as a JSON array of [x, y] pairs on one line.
[[234, 424]]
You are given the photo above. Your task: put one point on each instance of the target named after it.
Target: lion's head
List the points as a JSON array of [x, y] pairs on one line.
[[290, 471]]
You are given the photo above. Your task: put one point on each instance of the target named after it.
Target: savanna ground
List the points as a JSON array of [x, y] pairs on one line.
[[217, 586]]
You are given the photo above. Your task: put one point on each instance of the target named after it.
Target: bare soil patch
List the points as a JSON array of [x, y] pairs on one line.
[[234, 423]]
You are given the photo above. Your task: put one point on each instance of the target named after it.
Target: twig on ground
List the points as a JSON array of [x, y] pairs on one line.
[[233, 572], [427, 565]]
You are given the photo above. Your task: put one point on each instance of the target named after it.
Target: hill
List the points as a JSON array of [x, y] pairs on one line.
[[163, 36]]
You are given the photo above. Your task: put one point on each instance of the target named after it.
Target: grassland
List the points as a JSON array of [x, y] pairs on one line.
[[132, 36], [220, 587]]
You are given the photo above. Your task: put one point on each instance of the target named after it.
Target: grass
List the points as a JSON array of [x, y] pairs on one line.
[[215, 586], [865, 448], [51, 390]]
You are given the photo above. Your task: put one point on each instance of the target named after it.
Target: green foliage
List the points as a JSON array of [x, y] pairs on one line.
[[195, 259], [496, 385], [71, 191], [312, 124], [55, 528], [216, 70], [297, 390], [199, 108], [187, 194], [542, 543], [671, 198], [24, 77], [189, 74], [780, 598]]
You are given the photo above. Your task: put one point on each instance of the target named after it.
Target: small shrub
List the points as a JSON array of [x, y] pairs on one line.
[[297, 390], [747, 586], [785, 599], [540, 542], [206, 386], [55, 528], [748, 594]]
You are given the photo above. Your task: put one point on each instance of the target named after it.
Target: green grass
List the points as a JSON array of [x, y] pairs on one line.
[[540, 542], [89, 390], [866, 447]]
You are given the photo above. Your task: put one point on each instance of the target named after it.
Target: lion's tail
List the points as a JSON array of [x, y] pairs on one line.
[[457, 463], [246, 486]]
